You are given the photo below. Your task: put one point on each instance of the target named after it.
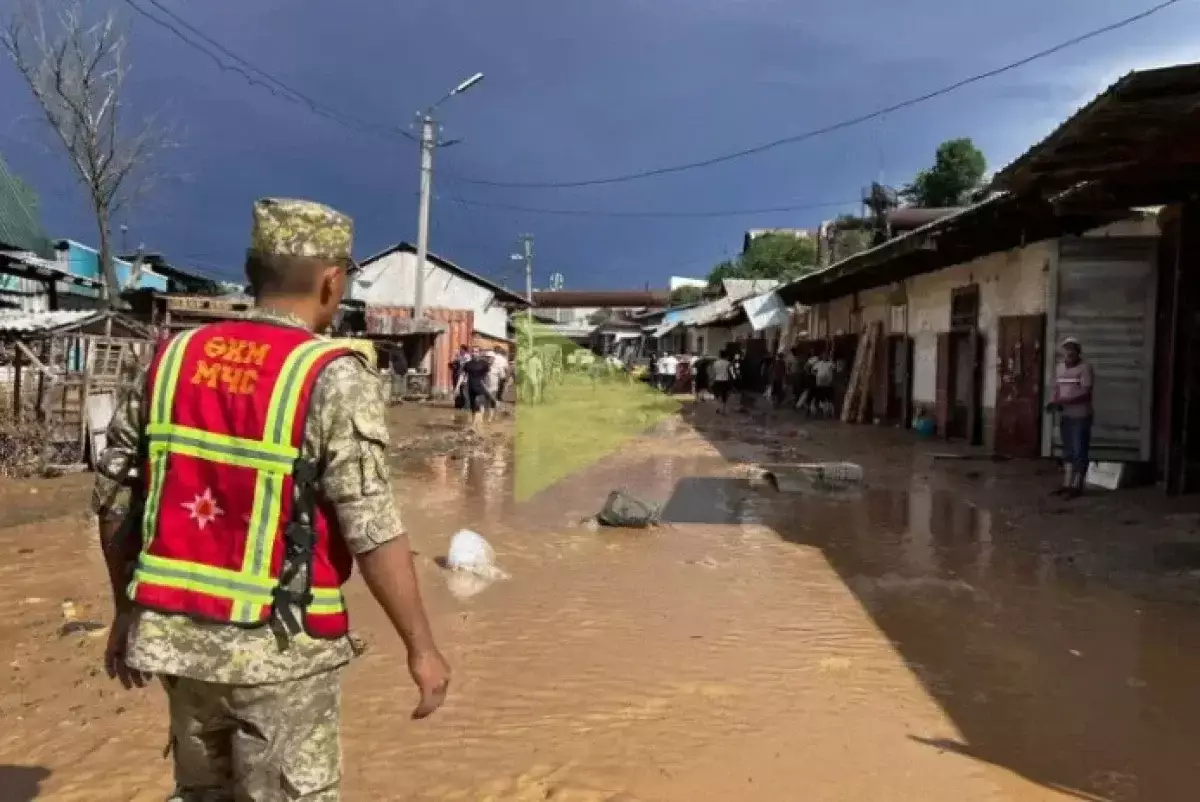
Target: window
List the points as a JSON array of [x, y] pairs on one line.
[[964, 307]]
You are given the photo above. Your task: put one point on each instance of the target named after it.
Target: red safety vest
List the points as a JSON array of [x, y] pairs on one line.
[[227, 495]]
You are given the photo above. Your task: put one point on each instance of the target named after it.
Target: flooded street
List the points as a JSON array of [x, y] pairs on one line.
[[923, 638]]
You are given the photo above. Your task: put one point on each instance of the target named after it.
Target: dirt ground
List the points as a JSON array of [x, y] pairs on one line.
[[945, 631]]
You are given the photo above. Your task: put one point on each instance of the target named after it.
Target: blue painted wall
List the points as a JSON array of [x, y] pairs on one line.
[[80, 260]]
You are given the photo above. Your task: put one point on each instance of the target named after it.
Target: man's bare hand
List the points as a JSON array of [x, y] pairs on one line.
[[114, 654], [431, 673]]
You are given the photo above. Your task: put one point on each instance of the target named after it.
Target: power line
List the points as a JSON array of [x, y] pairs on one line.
[[816, 132], [658, 214], [249, 71]]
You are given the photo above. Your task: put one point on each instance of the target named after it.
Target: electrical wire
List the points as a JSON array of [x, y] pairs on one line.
[[281, 89], [655, 214], [264, 79], [827, 129]]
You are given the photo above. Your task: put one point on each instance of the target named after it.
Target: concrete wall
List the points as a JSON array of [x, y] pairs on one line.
[[390, 281], [1010, 283], [713, 339], [1013, 282], [838, 314]]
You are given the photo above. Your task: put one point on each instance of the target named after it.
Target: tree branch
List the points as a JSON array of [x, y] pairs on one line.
[[77, 75]]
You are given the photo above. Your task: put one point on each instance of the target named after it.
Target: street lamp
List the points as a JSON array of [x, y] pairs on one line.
[[428, 143]]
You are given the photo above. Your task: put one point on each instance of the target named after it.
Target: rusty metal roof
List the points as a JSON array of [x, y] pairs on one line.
[[1148, 120], [997, 224]]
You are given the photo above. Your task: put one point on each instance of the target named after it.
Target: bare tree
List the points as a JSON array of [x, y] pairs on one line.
[[77, 70]]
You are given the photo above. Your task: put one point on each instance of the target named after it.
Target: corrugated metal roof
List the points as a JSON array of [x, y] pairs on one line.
[[44, 268], [30, 322], [503, 294], [1145, 119]]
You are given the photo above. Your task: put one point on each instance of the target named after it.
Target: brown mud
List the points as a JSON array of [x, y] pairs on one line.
[[943, 632]]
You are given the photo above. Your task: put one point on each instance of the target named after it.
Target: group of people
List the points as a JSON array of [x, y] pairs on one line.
[[480, 378], [783, 377]]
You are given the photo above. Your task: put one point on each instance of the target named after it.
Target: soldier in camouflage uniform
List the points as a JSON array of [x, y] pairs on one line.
[[254, 715]]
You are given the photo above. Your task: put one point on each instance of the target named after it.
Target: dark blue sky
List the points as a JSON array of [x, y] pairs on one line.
[[576, 90]]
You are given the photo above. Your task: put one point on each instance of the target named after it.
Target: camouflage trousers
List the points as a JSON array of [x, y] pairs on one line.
[[256, 743]]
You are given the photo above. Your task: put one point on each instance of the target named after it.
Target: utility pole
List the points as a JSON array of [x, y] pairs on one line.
[[428, 143], [527, 252]]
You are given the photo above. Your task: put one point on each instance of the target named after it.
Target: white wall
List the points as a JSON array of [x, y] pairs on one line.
[[1010, 283], [715, 339], [389, 281]]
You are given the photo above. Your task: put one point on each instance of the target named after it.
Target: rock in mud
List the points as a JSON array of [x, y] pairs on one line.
[[627, 511]]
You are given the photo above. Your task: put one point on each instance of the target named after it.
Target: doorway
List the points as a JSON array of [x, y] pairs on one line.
[[891, 395], [1019, 354], [960, 370]]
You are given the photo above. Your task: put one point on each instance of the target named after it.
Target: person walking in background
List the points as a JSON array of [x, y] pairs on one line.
[[461, 402], [503, 369], [667, 367], [702, 372], [474, 384], [1072, 400], [492, 383], [779, 383], [722, 381], [823, 374]]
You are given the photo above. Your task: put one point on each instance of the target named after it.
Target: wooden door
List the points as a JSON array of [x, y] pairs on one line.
[[906, 384], [881, 379], [1020, 349], [942, 395], [974, 430]]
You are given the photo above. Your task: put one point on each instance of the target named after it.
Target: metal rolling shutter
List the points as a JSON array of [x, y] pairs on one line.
[[1103, 294]]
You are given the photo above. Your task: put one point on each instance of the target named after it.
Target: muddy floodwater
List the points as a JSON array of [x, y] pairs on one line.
[[903, 640]]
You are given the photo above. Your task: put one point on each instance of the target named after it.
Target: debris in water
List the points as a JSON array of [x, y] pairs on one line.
[[623, 510], [470, 553], [93, 628], [471, 562], [759, 477]]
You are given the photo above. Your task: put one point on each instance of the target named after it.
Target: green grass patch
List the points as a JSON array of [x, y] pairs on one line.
[[580, 420]]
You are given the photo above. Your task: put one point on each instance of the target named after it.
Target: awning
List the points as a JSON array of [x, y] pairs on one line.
[[765, 311], [663, 329], [1139, 135]]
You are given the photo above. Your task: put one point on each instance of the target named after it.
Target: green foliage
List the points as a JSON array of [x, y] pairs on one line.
[[20, 220], [588, 417], [956, 175], [770, 256], [682, 296]]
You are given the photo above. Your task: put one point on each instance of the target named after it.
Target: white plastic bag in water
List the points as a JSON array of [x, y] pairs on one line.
[[470, 553]]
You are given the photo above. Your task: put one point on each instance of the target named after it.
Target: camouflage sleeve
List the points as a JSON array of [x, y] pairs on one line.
[[121, 450], [348, 427]]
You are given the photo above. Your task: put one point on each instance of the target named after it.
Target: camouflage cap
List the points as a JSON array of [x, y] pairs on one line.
[[288, 227]]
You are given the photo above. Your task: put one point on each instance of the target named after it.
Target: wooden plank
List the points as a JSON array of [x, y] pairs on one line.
[[851, 386], [942, 385], [865, 381], [17, 385], [37, 363]]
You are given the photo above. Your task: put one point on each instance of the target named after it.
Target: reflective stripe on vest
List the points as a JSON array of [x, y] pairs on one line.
[[273, 458]]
